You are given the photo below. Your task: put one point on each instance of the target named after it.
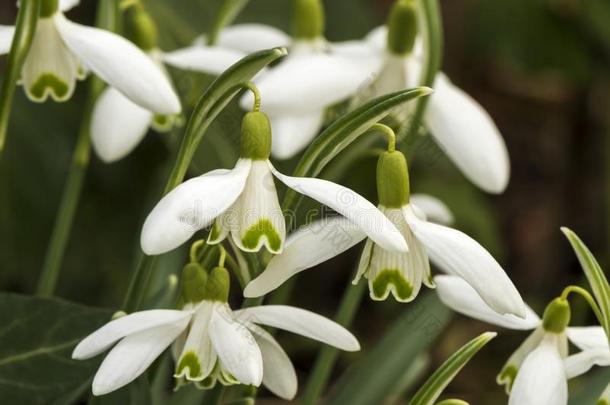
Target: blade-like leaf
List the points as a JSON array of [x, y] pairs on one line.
[[374, 376], [435, 385], [343, 132], [37, 337], [595, 275], [590, 390]]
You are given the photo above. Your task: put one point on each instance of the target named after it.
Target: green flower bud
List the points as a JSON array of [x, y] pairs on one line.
[[255, 136], [392, 179], [556, 316], [402, 27], [194, 281], [142, 30], [48, 8], [217, 287], [308, 19]]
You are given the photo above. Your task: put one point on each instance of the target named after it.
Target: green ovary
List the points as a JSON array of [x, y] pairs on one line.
[[402, 288], [508, 374], [49, 83], [263, 228], [191, 361]]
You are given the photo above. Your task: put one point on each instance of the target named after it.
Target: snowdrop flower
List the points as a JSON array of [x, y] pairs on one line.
[[314, 76], [390, 271], [211, 342], [460, 126], [244, 202], [63, 51], [537, 372]]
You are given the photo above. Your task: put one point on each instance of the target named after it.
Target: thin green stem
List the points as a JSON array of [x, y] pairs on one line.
[[106, 17], [194, 252], [352, 297], [257, 95], [24, 34], [389, 133], [587, 296]]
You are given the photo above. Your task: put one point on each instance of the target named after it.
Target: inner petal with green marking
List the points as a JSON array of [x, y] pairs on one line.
[[50, 69]]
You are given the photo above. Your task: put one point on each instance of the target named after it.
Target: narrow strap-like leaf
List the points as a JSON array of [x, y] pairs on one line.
[[435, 385], [595, 275]]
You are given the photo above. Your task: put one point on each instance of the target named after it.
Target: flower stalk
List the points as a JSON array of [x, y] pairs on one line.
[[572, 289], [24, 34]]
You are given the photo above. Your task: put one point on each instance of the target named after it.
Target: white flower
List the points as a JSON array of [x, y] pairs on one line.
[[395, 272], [537, 372], [460, 126], [63, 51], [245, 203], [212, 343]]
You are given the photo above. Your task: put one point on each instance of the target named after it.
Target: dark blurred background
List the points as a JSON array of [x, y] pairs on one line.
[[540, 67]]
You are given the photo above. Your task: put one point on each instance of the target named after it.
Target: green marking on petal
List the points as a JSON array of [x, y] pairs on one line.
[[215, 234], [507, 376], [46, 84], [262, 229], [385, 278], [190, 361]]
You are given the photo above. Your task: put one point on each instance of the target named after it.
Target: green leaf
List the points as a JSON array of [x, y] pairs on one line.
[[592, 388], [374, 376], [343, 132], [37, 337], [595, 275], [226, 14], [435, 385]]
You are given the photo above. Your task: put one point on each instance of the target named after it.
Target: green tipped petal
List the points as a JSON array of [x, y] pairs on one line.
[[47, 85], [189, 366], [391, 280], [262, 232], [507, 377]]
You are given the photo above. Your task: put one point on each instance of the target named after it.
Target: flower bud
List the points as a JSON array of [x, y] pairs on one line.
[[194, 280], [556, 316], [308, 19], [217, 287], [255, 136], [402, 27], [392, 179]]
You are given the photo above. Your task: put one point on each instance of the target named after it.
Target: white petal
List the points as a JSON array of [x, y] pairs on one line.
[[213, 60], [351, 205], [582, 362], [435, 209], [466, 132], [302, 322], [458, 295], [236, 347], [360, 52], [191, 206], [117, 125], [49, 69], [250, 38], [458, 254], [588, 337], [121, 64], [259, 217], [511, 368], [279, 375], [293, 132], [197, 347], [542, 378], [308, 82], [110, 333], [132, 356], [6, 38], [65, 5], [378, 37], [307, 247]]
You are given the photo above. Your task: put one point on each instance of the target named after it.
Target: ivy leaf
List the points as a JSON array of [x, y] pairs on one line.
[[37, 337], [434, 387], [595, 275]]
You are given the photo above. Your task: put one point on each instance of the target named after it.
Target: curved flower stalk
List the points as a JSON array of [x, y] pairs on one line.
[[243, 202], [460, 126], [387, 271], [537, 372], [63, 51], [211, 343], [315, 75]]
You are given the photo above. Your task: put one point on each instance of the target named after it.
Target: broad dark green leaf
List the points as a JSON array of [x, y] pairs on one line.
[[436, 384], [37, 337], [374, 376], [592, 388], [343, 132], [595, 275]]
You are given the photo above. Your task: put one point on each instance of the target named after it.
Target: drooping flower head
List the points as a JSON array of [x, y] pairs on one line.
[[210, 342]]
